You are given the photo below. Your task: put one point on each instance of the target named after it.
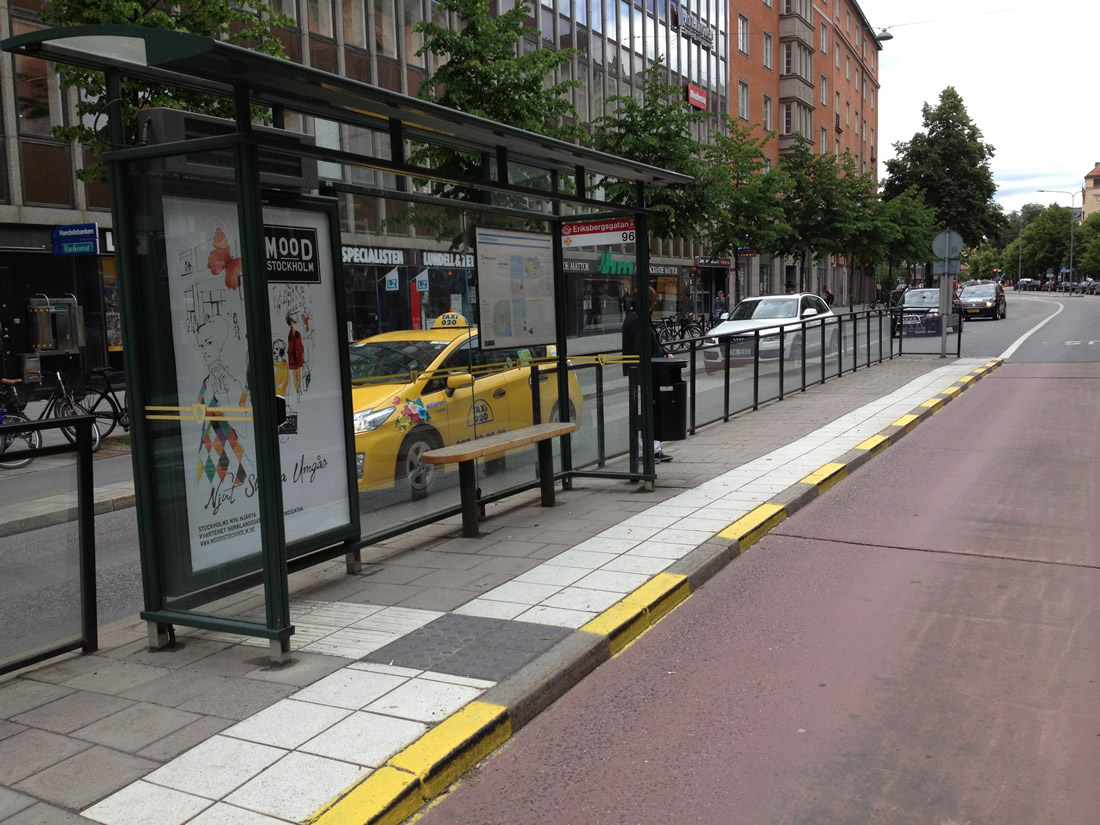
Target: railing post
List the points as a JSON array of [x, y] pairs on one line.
[[726, 379], [805, 335], [756, 369], [691, 388], [855, 341], [782, 361], [601, 430]]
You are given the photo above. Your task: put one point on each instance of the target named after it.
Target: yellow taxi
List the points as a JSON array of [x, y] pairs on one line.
[[417, 390]]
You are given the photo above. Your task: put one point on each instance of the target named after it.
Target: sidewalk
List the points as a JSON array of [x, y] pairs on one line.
[[406, 674]]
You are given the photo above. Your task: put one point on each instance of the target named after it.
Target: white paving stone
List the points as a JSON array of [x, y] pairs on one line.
[[423, 700], [287, 724], [674, 535], [481, 684], [215, 767], [389, 670], [350, 689], [613, 581], [555, 574], [606, 544], [365, 738], [143, 803], [223, 814], [662, 550], [489, 609], [637, 564], [518, 592], [579, 558], [634, 533], [297, 786], [558, 617], [579, 598]]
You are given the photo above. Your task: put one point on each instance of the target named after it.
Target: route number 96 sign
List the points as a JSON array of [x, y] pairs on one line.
[[597, 233]]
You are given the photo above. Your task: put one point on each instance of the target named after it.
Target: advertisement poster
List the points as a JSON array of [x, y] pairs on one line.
[[515, 275], [202, 242]]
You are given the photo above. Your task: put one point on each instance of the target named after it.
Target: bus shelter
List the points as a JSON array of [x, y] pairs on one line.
[[266, 437]]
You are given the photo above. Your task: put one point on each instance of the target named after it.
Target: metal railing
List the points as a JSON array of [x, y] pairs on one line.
[[49, 603]]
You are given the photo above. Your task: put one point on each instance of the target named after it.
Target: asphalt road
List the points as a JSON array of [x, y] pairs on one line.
[[916, 646]]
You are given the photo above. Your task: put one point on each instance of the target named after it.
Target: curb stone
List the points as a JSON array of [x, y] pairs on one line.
[[425, 769]]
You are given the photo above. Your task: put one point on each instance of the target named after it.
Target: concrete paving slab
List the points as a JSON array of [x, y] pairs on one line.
[[86, 777], [12, 802], [172, 745], [21, 695], [237, 698], [32, 751], [43, 814], [136, 727], [71, 712], [146, 804]]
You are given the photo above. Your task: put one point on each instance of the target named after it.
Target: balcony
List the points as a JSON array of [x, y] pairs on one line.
[[839, 128], [792, 87], [795, 28]]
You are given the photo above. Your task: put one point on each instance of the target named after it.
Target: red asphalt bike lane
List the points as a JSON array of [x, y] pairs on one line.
[[917, 646]]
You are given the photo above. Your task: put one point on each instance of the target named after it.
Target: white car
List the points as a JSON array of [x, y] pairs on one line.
[[768, 314]]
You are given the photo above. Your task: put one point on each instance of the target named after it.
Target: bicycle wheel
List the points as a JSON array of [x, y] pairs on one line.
[[105, 410], [29, 440], [66, 408], [669, 340]]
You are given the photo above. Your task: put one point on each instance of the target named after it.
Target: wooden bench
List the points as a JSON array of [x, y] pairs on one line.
[[464, 454]]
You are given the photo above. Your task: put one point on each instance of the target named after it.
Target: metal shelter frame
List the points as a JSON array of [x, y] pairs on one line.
[[250, 79]]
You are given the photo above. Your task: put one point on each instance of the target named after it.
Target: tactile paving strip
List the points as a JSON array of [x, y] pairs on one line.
[[471, 646]]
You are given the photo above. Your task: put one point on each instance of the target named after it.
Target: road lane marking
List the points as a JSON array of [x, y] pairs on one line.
[[1019, 341]]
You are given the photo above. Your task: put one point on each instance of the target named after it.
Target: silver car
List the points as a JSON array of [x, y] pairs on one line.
[[800, 315]]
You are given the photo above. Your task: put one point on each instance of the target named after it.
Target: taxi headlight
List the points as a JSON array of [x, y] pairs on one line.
[[367, 420]]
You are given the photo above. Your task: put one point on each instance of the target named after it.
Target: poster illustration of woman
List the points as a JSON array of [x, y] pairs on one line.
[[222, 457]]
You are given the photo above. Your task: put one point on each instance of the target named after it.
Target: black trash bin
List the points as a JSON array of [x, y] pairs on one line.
[[669, 400]]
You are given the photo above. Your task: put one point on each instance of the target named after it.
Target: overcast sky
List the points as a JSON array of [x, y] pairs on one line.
[[1026, 72]]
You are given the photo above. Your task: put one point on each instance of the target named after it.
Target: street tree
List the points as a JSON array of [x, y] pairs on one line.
[[983, 260], [910, 226], [949, 163], [1046, 240], [863, 226], [482, 69], [746, 211], [814, 208], [250, 23], [660, 130]]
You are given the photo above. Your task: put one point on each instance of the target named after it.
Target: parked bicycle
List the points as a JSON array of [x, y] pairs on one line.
[[12, 405], [62, 403], [103, 402], [672, 330]]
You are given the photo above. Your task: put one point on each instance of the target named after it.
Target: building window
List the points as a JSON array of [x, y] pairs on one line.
[[824, 141], [765, 279], [838, 104], [385, 28], [824, 39], [768, 47], [767, 113], [847, 68], [743, 34], [847, 114], [319, 14], [355, 23], [743, 100], [838, 147], [824, 91], [414, 13], [836, 58], [848, 22]]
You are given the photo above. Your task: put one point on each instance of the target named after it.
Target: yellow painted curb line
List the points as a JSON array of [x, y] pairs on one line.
[[748, 529], [386, 797], [457, 743], [626, 620], [826, 476], [875, 444], [934, 404], [423, 770], [952, 392], [907, 422]]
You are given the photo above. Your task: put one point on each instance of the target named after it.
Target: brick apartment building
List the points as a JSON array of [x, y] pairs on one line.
[[800, 67]]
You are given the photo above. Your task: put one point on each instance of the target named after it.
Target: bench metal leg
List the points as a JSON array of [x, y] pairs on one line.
[[467, 487], [546, 472]]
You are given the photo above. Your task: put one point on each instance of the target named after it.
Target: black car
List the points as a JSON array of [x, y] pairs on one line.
[[983, 301], [920, 312]]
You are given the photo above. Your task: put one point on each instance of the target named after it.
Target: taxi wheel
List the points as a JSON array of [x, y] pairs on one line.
[[410, 469], [555, 413]]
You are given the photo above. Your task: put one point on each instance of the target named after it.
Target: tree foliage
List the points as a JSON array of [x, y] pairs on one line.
[[746, 210], [910, 226], [949, 163], [658, 131], [249, 23]]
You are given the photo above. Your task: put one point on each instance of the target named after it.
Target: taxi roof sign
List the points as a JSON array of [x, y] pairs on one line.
[[450, 320]]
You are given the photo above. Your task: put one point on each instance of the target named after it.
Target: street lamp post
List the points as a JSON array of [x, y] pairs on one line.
[[1072, 220]]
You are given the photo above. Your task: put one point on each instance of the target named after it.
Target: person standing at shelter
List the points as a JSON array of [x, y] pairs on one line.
[[827, 294], [720, 303], [632, 343]]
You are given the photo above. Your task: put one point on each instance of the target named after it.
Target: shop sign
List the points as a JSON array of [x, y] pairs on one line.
[[726, 262], [691, 26], [393, 282], [597, 233], [578, 266], [696, 96], [664, 269], [76, 239], [609, 266], [422, 281], [448, 260], [290, 254], [373, 255]]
